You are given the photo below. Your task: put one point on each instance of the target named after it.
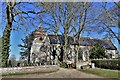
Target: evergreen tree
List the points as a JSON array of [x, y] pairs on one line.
[[26, 47], [97, 52]]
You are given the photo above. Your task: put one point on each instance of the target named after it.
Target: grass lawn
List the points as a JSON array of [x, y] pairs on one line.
[[103, 72]]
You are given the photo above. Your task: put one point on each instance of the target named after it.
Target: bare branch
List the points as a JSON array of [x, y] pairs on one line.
[[23, 12]]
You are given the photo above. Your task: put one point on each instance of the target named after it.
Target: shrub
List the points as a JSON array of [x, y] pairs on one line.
[[107, 64], [64, 65], [74, 65], [97, 52]]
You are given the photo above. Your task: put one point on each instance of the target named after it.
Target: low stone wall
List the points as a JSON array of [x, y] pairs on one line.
[[80, 64], [31, 69]]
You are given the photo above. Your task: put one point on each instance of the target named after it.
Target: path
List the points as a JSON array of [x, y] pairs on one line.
[[62, 73]]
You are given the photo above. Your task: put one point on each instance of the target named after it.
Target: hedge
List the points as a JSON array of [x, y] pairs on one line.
[[107, 64], [64, 65]]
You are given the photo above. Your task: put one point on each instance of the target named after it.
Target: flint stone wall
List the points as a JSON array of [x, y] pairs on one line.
[[31, 69]]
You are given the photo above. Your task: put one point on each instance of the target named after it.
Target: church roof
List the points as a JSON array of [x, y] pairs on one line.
[[84, 41], [54, 40]]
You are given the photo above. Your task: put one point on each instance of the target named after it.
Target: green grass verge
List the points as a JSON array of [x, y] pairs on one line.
[[23, 73], [103, 72]]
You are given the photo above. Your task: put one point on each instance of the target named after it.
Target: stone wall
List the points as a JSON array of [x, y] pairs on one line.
[[40, 51], [31, 69]]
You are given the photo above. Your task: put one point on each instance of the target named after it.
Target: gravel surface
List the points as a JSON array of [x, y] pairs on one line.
[[62, 73]]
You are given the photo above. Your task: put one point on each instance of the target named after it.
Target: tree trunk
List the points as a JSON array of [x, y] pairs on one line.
[[29, 58], [6, 36], [65, 46], [77, 51], [119, 41], [5, 48]]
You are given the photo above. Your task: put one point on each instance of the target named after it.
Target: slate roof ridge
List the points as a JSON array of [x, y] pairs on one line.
[[85, 41]]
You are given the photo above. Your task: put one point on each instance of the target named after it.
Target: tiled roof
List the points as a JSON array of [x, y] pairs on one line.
[[84, 41]]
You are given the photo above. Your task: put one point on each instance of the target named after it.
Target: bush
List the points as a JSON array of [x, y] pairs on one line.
[[74, 65], [64, 65], [97, 52], [107, 64]]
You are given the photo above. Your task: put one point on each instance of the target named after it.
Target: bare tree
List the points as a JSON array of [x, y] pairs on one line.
[[109, 19], [59, 16], [18, 15], [117, 4], [63, 18], [59, 20], [82, 23]]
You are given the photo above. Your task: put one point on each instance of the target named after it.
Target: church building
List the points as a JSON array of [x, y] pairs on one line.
[[47, 49]]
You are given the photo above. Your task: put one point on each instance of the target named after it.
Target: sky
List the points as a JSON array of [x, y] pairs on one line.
[[16, 36]]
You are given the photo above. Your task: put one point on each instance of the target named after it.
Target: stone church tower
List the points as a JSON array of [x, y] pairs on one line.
[[40, 47]]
